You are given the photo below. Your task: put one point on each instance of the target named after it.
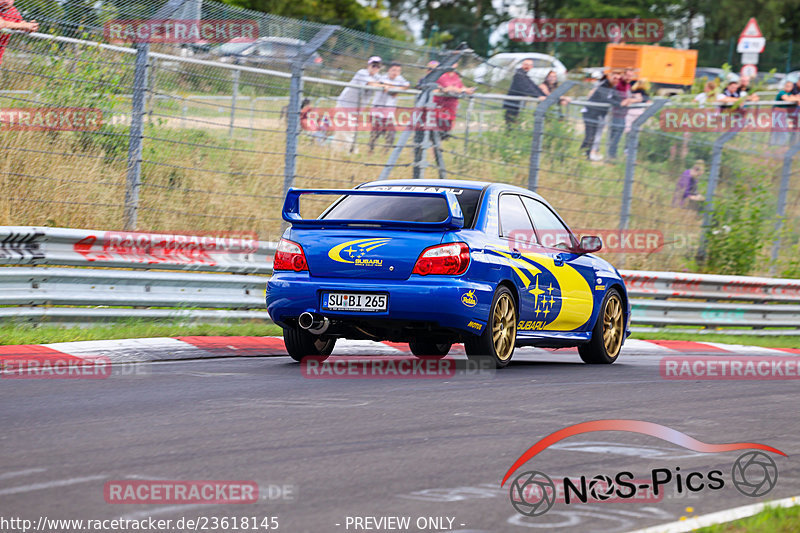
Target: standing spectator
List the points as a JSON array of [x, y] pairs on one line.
[[451, 87], [708, 92], [686, 189], [319, 128], [730, 94], [619, 109], [744, 88], [521, 85], [352, 99], [549, 85], [789, 113], [10, 19], [383, 105], [639, 95], [603, 96]]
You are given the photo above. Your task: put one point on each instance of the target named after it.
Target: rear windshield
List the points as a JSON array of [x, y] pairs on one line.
[[406, 209]]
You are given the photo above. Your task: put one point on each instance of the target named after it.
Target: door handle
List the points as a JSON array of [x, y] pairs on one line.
[[558, 260], [515, 253]]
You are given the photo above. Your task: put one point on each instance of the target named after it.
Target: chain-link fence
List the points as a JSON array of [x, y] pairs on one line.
[[199, 136]]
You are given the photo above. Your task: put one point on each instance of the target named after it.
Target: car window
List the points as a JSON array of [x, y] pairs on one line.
[[503, 62], [514, 221], [264, 49], [542, 63], [234, 48], [551, 232], [423, 209], [284, 50]]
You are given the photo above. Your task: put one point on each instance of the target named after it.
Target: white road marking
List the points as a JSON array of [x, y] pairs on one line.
[[647, 347], [48, 485], [19, 473], [356, 347], [740, 349], [719, 517], [129, 350]]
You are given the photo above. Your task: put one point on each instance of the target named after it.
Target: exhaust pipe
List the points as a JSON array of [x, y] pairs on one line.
[[313, 323]]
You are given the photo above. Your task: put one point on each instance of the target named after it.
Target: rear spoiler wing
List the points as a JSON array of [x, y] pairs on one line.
[[454, 220]]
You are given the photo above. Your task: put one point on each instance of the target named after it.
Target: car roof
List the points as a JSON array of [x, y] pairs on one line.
[[462, 184], [514, 55], [282, 40]]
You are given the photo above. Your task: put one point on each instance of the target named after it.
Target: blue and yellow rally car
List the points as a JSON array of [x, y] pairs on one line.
[[437, 262]]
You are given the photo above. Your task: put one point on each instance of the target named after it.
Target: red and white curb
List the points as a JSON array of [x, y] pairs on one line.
[[177, 348], [721, 517]]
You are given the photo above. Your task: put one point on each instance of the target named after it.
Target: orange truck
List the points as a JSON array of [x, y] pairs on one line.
[[669, 70]]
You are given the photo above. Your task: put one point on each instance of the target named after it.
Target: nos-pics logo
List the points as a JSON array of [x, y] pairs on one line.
[[533, 493]]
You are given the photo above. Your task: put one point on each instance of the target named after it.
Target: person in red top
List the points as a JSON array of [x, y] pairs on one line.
[[12, 20], [446, 106]]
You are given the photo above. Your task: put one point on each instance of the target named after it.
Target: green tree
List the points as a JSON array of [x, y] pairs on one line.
[[347, 13]]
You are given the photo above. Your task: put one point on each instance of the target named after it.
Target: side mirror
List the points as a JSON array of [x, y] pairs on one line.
[[589, 244]]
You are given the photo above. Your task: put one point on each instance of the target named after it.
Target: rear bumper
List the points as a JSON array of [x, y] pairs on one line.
[[434, 299]]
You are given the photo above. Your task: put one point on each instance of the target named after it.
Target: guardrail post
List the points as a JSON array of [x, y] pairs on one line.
[[786, 172], [713, 178], [632, 149], [295, 98], [234, 94], [134, 179], [151, 89], [421, 145], [470, 104], [538, 131]]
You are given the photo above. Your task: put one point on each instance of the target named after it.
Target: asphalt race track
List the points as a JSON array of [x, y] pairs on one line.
[[323, 450]]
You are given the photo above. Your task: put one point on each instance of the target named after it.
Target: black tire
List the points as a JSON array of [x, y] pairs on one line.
[[300, 343], [608, 332], [429, 350], [502, 322]]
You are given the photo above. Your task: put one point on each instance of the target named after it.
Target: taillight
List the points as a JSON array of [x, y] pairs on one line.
[[444, 259], [289, 256]]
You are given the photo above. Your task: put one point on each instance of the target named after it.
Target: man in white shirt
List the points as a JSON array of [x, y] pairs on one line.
[[353, 99], [384, 104]]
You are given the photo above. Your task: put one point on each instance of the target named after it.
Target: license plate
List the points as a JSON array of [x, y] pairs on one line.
[[360, 302]]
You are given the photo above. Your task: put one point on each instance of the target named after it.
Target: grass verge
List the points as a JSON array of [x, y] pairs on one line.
[[770, 520], [777, 341], [21, 334]]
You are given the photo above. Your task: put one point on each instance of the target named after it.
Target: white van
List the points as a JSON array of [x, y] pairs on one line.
[[501, 67]]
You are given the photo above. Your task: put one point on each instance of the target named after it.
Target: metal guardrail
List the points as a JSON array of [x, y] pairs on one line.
[[220, 278], [714, 303], [236, 252]]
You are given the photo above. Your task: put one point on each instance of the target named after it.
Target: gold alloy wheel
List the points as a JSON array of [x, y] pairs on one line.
[[504, 327], [613, 326]]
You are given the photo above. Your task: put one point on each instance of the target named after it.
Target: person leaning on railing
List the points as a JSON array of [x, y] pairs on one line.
[[449, 89], [789, 100], [521, 85], [10, 19]]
